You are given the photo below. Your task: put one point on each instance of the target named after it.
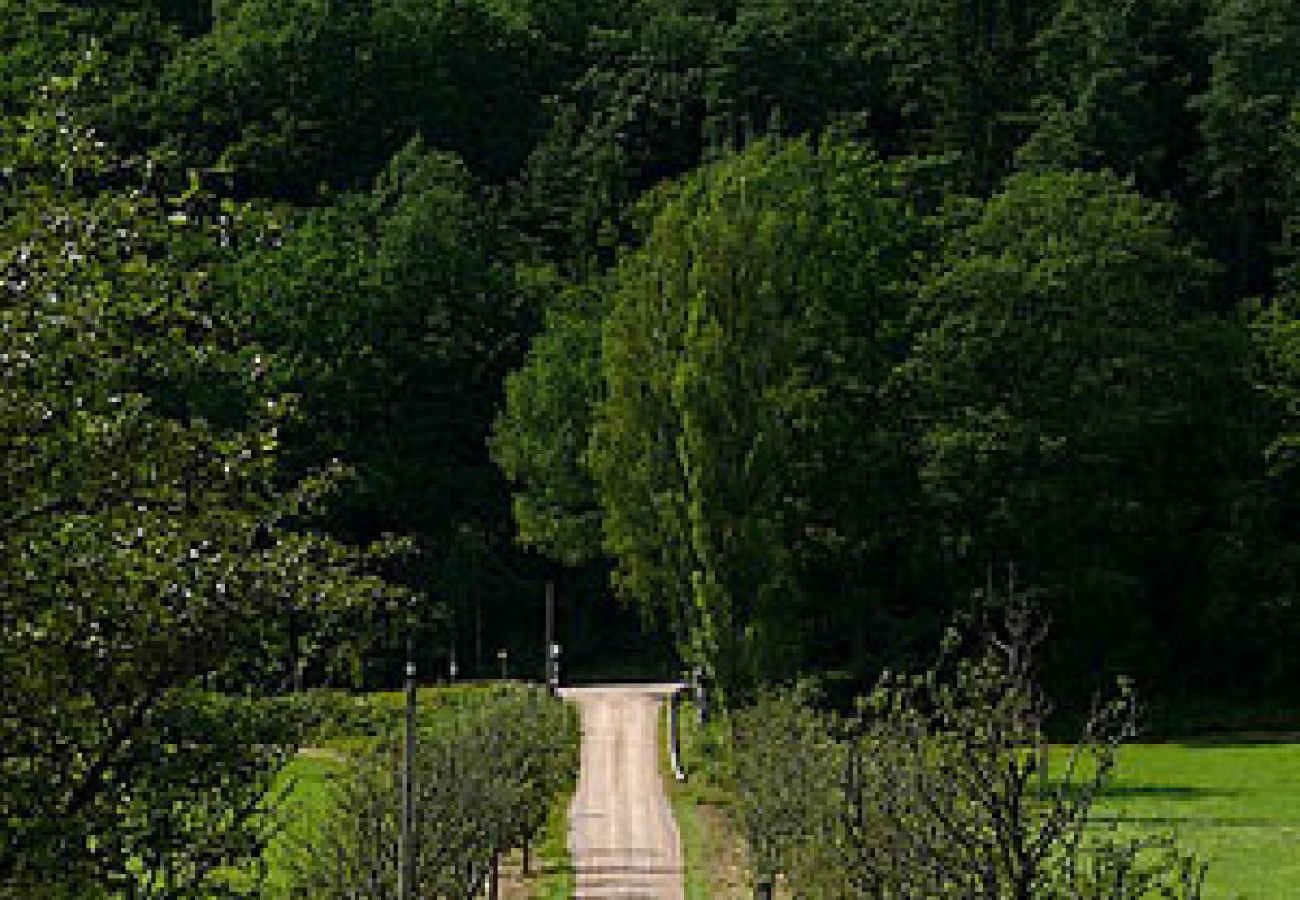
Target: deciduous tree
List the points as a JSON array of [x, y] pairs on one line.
[[149, 552]]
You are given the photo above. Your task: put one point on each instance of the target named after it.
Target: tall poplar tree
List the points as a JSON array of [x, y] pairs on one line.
[[743, 352]]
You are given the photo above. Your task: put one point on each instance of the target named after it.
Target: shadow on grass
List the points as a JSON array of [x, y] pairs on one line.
[[1172, 792], [1159, 791], [1229, 741], [1187, 822]]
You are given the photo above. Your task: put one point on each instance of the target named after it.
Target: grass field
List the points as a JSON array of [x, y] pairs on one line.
[[1236, 804]]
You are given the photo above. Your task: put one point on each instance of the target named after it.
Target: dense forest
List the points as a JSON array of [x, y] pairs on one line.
[[797, 318], [775, 328]]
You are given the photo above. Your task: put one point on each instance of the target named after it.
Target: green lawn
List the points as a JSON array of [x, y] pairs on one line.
[[1235, 804], [307, 804]]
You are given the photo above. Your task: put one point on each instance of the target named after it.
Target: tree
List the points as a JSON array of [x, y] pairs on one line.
[[633, 118], [1115, 77], [487, 775], [801, 65], [395, 314], [1061, 340], [962, 79], [149, 552], [299, 94], [945, 784], [132, 40], [1244, 115], [540, 436], [743, 349], [275, 93]]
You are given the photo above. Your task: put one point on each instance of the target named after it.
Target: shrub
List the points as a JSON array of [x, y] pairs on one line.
[[943, 785], [486, 775]]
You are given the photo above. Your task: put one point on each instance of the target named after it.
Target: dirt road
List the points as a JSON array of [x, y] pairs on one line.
[[621, 829]]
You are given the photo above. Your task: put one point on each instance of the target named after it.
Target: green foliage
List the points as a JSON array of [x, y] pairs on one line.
[[132, 41], [148, 548], [1255, 78], [800, 65], [798, 429], [962, 80], [787, 779], [395, 315], [1277, 331], [742, 350], [392, 313], [1051, 381], [293, 95], [1114, 83], [634, 117], [540, 438], [486, 778]]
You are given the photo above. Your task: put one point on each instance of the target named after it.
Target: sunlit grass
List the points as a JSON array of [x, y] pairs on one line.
[[1237, 805]]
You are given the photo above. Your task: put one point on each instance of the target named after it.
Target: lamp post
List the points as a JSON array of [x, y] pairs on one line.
[[503, 657], [406, 875], [548, 638], [406, 885]]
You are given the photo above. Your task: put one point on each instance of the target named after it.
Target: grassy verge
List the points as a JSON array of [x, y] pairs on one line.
[[553, 877], [712, 855], [306, 805]]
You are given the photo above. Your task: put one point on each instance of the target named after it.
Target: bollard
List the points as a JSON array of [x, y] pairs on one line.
[[675, 735]]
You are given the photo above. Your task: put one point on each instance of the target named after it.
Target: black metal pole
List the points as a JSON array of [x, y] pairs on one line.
[[548, 665], [406, 886]]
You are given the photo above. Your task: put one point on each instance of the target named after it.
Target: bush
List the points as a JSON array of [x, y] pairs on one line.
[[943, 785], [486, 774]]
